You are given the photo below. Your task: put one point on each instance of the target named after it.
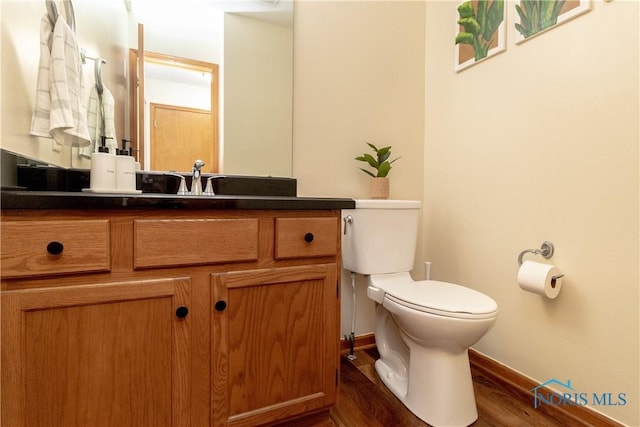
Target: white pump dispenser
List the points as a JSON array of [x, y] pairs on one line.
[[125, 170], [103, 169]]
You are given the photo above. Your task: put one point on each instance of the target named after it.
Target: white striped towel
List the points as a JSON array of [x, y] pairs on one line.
[[66, 112], [40, 118], [100, 111]]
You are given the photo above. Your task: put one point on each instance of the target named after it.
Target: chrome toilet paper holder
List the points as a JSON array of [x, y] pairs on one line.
[[546, 250]]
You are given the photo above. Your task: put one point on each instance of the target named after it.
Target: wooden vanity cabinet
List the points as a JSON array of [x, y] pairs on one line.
[[96, 354], [171, 318], [276, 352]]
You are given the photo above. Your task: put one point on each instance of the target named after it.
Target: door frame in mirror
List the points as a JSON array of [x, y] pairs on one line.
[[136, 84]]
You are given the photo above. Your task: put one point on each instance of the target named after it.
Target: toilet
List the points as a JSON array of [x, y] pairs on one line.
[[423, 329]]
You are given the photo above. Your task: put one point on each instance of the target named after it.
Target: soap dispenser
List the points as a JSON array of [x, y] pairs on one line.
[[103, 169], [125, 170], [126, 144]]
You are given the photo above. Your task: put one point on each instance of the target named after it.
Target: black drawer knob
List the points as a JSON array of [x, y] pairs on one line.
[[182, 312], [55, 248], [220, 305], [308, 237]]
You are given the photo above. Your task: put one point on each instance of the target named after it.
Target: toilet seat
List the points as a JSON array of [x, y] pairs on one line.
[[439, 298]]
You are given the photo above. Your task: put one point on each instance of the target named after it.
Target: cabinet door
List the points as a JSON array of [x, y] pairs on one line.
[[274, 344], [96, 355]]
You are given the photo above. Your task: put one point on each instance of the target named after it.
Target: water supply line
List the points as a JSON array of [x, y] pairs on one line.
[[351, 338]]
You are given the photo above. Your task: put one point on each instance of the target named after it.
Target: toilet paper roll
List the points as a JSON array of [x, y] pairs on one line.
[[539, 278]]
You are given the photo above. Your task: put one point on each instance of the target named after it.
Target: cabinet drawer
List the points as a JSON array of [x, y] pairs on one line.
[[178, 242], [306, 237], [38, 248]]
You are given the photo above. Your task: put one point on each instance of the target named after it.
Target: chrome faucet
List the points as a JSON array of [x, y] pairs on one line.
[[196, 181]]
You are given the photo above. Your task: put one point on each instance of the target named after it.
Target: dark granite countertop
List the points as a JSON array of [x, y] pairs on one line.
[[77, 200]]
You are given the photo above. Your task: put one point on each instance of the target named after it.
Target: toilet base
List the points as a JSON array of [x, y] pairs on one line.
[[441, 389], [396, 384]]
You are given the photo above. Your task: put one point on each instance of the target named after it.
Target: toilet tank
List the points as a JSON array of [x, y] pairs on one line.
[[379, 236]]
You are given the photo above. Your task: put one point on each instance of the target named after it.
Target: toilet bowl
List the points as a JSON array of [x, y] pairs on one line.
[[423, 329]]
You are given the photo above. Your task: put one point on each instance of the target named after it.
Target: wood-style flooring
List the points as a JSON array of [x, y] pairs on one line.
[[365, 402]]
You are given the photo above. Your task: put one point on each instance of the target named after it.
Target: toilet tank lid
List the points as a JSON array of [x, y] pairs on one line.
[[387, 204]]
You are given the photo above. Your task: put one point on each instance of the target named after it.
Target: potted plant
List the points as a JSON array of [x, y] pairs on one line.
[[379, 185]]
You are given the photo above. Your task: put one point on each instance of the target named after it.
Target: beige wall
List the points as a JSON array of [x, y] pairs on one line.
[[101, 29], [554, 157], [541, 143], [358, 77]]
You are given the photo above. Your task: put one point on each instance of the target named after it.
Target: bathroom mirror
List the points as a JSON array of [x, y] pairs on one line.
[[107, 29], [252, 41]]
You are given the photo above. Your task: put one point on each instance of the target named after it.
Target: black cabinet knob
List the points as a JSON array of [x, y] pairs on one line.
[[182, 312], [220, 305], [308, 237], [55, 248]]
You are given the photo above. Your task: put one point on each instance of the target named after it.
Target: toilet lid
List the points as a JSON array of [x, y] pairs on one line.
[[442, 298]]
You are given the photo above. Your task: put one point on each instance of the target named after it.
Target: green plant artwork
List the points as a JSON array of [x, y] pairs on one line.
[[537, 15], [479, 26], [380, 163]]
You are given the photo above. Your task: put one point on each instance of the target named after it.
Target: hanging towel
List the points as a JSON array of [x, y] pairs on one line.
[[67, 117], [100, 121], [40, 118]]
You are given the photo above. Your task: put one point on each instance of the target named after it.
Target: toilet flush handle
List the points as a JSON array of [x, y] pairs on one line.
[[347, 220]]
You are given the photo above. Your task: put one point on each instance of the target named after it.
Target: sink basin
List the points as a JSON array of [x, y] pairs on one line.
[[37, 178]]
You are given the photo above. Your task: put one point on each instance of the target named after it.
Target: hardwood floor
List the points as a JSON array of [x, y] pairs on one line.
[[365, 402]]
